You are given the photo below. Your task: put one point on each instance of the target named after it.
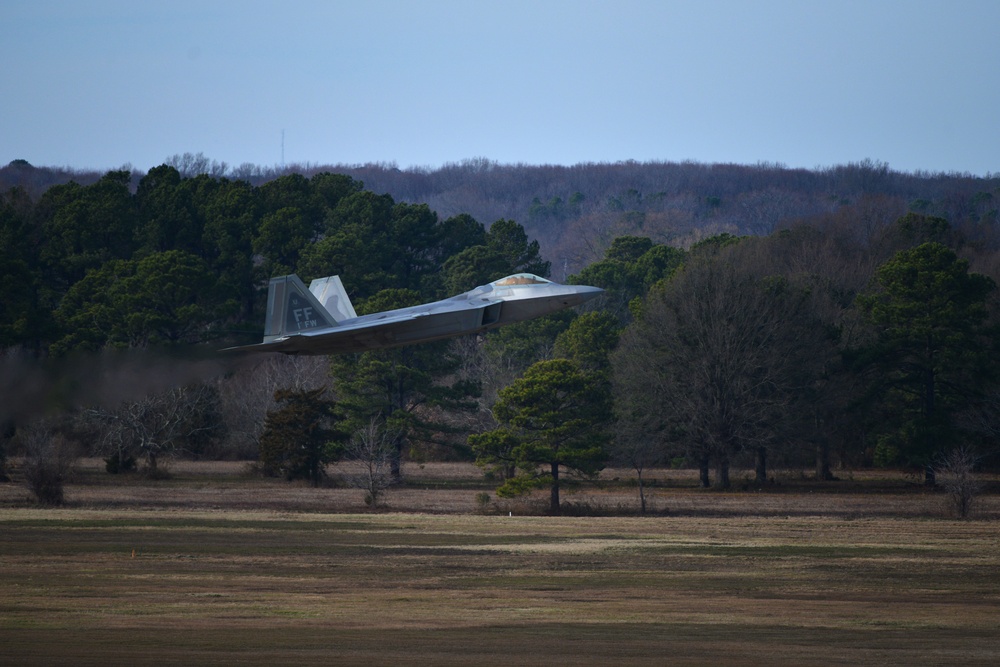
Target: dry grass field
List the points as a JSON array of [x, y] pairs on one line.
[[215, 567]]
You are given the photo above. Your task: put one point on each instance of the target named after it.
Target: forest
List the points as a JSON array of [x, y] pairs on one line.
[[754, 316]]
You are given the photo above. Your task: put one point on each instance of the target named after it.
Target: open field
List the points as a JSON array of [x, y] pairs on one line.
[[214, 568]]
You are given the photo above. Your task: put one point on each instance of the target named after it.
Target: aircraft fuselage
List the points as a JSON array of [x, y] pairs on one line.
[[298, 324]]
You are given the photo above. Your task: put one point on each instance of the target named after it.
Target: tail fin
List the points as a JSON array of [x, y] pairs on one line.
[[331, 293], [292, 309]]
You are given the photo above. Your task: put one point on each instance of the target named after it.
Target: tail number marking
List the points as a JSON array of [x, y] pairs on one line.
[[305, 318]]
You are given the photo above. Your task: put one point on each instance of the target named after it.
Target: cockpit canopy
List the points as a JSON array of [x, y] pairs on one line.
[[520, 279]]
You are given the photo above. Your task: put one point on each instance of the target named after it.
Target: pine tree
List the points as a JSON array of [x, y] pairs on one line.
[[551, 418], [296, 442]]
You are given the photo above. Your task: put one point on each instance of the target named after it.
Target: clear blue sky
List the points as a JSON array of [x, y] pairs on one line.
[[101, 83]]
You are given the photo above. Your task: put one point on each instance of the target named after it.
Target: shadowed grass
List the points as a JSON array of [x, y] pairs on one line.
[[273, 588]]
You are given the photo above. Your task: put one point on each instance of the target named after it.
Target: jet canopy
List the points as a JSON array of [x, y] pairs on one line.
[[520, 279]]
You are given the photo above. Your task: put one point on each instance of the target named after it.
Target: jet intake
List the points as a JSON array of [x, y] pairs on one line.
[[491, 314]]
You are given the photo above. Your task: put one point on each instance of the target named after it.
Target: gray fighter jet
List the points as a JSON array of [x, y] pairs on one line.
[[321, 320]]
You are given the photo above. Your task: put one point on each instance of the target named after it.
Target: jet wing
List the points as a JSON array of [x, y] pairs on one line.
[[387, 330]]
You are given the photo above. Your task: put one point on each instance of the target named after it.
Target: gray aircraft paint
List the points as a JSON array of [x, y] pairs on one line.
[[298, 322]]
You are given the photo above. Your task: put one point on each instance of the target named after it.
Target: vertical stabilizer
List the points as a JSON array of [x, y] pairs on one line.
[[331, 294], [292, 309]]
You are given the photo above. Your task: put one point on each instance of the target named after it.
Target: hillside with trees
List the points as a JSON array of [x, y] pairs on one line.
[[754, 316], [575, 212]]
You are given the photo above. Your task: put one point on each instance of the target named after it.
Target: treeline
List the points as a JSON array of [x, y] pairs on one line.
[[99, 282], [861, 334], [185, 260], [822, 345], [575, 212], [808, 344]]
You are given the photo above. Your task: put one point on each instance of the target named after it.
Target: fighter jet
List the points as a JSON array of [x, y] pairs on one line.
[[321, 320]]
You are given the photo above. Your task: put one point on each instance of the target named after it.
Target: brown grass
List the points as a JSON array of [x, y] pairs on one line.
[[237, 570], [453, 488]]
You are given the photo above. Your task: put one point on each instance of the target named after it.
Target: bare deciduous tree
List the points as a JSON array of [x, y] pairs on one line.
[[193, 164], [157, 424], [48, 460], [372, 449], [247, 395], [492, 368], [721, 357], [955, 472], [637, 444]]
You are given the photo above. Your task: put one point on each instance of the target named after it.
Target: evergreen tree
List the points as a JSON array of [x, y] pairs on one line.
[[167, 297], [931, 355], [84, 227], [552, 418], [506, 251], [632, 264], [296, 442], [22, 318], [589, 340], [398, 385]]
